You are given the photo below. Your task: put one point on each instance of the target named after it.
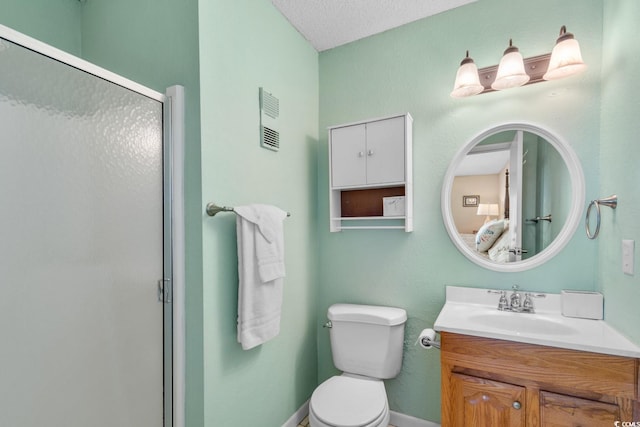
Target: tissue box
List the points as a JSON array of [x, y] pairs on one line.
[[582, 304], [393, 206]]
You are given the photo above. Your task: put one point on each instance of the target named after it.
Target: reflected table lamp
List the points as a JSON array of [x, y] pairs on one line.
[[488, 210]]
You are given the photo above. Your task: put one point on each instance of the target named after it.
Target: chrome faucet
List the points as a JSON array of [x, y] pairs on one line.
[[515, 302]]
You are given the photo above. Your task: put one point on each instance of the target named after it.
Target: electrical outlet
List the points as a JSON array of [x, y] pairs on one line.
[[628, 249]]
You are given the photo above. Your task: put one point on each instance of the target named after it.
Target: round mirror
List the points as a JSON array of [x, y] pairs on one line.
[[512, 197]]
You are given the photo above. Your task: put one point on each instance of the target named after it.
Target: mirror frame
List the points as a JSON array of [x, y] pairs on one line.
[[573, 219]]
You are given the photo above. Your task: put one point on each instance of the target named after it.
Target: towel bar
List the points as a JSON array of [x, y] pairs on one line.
[[213, 209]]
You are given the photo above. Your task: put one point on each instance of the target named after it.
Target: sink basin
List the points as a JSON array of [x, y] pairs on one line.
[[521, 323], [473, 311]]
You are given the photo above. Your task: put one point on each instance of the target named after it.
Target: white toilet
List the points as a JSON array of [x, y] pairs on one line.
[[366, 343]]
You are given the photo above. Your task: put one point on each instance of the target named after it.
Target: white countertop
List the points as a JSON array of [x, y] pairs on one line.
[[473, 311]]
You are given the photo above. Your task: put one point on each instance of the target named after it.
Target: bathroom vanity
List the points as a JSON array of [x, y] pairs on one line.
[[514, 384], [502, 369]]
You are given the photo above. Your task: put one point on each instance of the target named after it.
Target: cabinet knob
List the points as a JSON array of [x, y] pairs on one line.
[[370, 152], [517, 405], [360, 153]]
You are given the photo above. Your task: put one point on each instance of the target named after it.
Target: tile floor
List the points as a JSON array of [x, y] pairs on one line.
[[305, 423]]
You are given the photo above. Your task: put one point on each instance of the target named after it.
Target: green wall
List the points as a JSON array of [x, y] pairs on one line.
[[155, 44], [412, 69], [54, 22], [619, 159], [244, 45]]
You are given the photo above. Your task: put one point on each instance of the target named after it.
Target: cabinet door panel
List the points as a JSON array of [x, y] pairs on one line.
[[480, 402], [557, 410], [348, 156], [386, 151]]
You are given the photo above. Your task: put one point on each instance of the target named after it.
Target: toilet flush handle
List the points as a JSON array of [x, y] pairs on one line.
[[328, 324]]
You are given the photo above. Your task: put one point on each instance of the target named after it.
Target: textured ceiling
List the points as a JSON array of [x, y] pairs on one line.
[[330, 23]]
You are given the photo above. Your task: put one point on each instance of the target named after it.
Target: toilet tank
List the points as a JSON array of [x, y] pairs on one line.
[[366, 339]]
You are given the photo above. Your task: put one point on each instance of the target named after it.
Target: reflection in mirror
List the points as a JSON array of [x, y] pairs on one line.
[[528, 192], [539, 187]]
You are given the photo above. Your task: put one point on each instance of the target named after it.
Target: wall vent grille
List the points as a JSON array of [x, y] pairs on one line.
[[270, 138], [269, 113], [270, 105]]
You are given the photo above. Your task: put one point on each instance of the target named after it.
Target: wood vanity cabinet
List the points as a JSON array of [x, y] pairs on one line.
[[494, 383], [486, 402]]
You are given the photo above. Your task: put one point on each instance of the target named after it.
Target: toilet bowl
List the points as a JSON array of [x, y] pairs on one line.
[[366, 345], [349, 401]]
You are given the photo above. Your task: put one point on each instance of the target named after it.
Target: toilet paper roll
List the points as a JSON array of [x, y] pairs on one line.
[[427, 338]]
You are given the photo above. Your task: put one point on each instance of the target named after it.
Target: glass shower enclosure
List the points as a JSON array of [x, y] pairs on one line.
[[85, 265]]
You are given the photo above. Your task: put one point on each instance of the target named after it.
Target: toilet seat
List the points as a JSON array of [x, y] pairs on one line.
[[347, 401]]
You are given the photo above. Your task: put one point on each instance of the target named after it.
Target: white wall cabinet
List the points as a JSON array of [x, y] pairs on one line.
[[368, 153], [368, 161]]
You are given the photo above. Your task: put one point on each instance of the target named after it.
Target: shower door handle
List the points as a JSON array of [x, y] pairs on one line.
[[164, 291]]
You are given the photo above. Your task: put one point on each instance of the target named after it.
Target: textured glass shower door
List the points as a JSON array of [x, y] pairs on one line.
[[81, 248]]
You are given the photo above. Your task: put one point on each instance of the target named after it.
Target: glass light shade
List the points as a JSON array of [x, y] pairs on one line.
[[511, 70], [565, 61], [467, 80]]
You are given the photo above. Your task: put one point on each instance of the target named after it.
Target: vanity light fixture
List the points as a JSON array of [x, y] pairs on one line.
[[489, 210], [467, 79], [513, 70]]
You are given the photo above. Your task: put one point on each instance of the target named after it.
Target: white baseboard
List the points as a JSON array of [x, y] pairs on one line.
[[402, 420], [298, 416], [397, 419]]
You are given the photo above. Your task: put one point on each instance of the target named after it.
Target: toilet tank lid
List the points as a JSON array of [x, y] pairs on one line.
[[373, 314]]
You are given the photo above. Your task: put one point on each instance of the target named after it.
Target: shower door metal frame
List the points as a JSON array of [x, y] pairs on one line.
[[173, 216]]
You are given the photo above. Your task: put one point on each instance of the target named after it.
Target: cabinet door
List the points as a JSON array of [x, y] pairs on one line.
[[348, 156], [386, 151], [557, 410], [479, 402]]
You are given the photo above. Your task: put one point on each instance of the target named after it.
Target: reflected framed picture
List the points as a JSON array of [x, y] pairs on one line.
[[470, 201]]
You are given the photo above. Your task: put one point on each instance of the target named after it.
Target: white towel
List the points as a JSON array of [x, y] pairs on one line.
[[260, 272]]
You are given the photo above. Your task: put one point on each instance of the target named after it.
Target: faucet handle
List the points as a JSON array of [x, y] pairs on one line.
[[503, 303], [527, 305], [534, 295]]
